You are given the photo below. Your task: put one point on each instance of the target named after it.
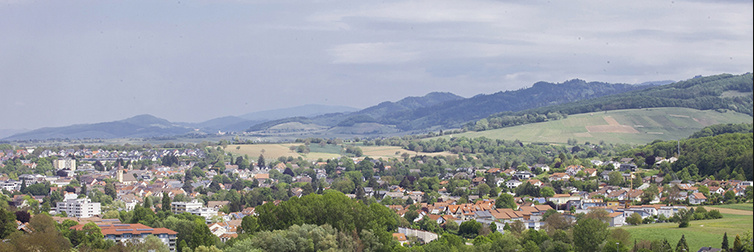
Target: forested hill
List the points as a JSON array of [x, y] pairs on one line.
[[455, 113], [445, 110], [725, 156], [721, 92]]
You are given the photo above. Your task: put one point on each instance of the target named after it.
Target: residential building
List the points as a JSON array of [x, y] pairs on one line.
[[64, 164], [669, 211], [180, 207], [83, 208], [123, 233], [512, 183], [616, 219], [423, 236], [697, 198]]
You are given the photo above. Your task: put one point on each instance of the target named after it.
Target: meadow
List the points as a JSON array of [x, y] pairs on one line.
[[273, 151], [631, 126], [742, 206], [700, 233]]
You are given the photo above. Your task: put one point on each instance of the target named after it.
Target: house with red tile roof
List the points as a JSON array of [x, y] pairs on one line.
[[123, 233]]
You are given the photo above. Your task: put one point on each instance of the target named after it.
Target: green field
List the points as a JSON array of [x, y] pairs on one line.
[[702, 233], [742, 206], [631, 126], [273, 151]]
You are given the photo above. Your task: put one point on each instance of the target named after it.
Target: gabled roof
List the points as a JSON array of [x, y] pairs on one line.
[[699, 196], [399, 237], [119, 229]]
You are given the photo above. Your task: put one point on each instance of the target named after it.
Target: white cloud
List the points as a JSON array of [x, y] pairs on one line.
[[253, 52], [364, 53]]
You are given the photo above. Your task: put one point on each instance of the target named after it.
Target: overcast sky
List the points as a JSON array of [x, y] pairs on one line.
[[67, 62]]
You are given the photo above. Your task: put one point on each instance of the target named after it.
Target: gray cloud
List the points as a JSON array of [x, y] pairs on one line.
[[76, 62]]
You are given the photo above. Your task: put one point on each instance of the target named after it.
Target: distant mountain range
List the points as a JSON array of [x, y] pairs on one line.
[[409, 115], [134, 127], [445, 110], [150, 126], [242, 122]]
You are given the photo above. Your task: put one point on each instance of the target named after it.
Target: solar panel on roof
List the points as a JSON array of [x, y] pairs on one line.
[[144, 229], [123, 229], [103, 225], [121, 225]]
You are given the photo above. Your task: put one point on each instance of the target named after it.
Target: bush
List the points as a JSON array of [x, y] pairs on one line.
[[714, 214]]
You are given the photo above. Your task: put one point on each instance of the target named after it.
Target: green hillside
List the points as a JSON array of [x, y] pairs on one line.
[[631, 126]]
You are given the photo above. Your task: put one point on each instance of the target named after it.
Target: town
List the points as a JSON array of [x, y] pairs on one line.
[[113, 188]]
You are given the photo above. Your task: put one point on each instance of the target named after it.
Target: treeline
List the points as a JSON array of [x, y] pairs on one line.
[[703, 93], [720, 129], [510, 119], [336, 210], [726, 156]]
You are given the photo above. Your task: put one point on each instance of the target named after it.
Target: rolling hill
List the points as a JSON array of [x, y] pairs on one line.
[[145, 126], [446, 110], [134, 127], [630, 126], [718, 92]]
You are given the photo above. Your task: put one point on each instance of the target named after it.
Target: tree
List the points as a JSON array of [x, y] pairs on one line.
[[23, 216], [506, 201], [7, 223], [45, 237], [730, 196], [249, 224], [546, 192], [725, 245], [90, 237], [470, 228], [246, 245], [634, 219], [410, 216], [556, 221], [260, 161], [615, 178], [151, 243], [483, 189], [148, 202], [589, 233], [166, 202], [518, 226], [451, 226], [737, 245], [201, 236], [683, 217], [110, 190], [682, 245], [83, 189]]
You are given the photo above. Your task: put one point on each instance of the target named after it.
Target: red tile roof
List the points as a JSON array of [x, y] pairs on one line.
[[119, 229]]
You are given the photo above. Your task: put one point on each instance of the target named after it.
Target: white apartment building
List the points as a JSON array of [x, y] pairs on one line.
[[82, 208], [180, 207], [60, 164], [207, 213]]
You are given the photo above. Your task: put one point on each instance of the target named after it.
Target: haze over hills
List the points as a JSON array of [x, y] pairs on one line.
[[433, 111], [134, 127], [444, 110], [151, 126], [717, 92], [242, 122]]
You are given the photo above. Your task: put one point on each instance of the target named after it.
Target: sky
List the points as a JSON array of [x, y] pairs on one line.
[[71, 62]]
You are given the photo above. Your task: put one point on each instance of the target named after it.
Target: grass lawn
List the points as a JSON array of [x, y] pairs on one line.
[[741, 206], [273, 151], [699, 234], [270, 151]]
